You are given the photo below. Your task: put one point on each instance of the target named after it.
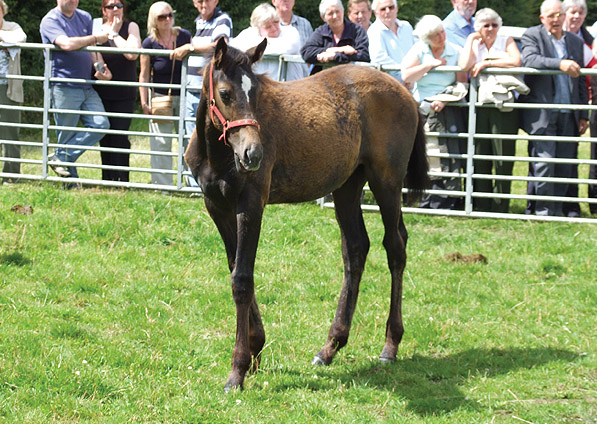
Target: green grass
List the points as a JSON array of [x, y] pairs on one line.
[[115, 307]]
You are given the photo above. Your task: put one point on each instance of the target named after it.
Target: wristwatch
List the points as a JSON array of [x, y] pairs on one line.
[[113, 35]]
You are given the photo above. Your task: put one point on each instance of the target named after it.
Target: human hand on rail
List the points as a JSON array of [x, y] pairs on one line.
[[437, 106], [570, 67], [583, 124], [326, 56], [180, 52], [347, 50]]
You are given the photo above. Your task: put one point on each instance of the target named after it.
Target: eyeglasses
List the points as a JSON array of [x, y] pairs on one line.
[[387, 8], [165, 16], [114, 6], [491, 25]]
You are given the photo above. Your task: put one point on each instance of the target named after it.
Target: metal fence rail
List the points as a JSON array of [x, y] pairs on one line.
[[37, 149]]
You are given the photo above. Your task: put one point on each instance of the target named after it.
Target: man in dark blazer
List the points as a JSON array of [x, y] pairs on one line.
[[548, 46]]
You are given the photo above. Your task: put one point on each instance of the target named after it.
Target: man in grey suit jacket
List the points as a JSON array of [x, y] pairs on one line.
[[548, 46]]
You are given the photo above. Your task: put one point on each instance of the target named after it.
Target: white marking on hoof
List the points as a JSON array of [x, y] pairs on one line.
[[318, 361]]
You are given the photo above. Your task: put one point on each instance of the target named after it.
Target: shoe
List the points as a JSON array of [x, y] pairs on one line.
[[72, 186], [60, 170]]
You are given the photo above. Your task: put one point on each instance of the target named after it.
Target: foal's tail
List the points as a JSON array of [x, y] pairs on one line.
[[417, 177]]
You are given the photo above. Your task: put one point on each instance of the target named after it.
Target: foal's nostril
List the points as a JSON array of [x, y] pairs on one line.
[[253, 157]]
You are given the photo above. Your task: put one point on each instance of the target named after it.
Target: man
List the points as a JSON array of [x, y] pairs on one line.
[[359, 12], [459, 24], [71, 29], [548, 46], [303, 26], [389, 38], [211, 25]]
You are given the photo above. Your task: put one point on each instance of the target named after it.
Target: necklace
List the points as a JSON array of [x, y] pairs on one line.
[[167, 43]]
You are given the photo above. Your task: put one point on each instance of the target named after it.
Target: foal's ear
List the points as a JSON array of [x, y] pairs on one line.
[[220, 51], [256, 53]]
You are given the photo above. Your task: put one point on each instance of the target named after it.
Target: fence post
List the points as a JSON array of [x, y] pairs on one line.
[[46, 114], [470, 150], [182, 112]]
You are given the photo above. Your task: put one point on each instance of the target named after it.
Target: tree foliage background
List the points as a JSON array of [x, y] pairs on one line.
[[28, 13]]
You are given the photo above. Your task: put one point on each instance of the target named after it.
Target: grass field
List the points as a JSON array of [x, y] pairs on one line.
[[115, 307]]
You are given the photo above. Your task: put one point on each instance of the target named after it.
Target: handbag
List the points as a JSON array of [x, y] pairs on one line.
[[163, 105]]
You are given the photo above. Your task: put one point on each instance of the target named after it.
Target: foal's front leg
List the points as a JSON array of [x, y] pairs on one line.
[[250, 336]]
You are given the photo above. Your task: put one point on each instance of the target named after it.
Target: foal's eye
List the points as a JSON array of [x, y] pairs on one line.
[[225, 96]]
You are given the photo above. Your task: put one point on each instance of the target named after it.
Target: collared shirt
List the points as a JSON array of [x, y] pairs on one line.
[[220, 25], [562, 86], [457, 28], [303, 27], [387, 48], [353, 35]]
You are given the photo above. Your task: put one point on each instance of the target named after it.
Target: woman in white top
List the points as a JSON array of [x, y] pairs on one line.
[[11, 90], [484, 48], [265, 23]]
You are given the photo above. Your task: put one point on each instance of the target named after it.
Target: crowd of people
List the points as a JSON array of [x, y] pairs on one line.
[[466, 37]]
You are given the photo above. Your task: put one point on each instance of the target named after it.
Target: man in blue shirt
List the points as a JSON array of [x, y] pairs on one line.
[[389, 38], [459, 23], [71, 29]]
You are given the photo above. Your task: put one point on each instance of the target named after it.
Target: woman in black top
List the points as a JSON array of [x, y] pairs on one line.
[[124, 34]]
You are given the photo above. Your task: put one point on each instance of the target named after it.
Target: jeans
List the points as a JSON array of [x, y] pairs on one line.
[[83, 98], [192, 101]]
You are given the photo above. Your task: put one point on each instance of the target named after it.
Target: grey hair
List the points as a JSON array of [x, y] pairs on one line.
[[427, 26], [582, 4], [547, 4], [376, 2], [326, 4], [263, 13], [487, 15]]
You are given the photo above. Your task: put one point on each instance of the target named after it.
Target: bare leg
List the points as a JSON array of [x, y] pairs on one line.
[[355, 246]]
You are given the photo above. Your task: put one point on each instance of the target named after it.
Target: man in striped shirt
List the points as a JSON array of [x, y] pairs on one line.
[[211, 24]]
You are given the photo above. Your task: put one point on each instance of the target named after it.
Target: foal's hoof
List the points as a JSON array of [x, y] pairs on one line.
[[232, 388], [318, 360], [387, 359], [234, 383]]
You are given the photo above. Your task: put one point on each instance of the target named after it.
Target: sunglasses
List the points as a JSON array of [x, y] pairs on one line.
[[490, 25], [114, 6], [165, 16]]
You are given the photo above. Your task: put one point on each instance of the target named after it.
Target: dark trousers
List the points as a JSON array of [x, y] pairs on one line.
[[560, 124], [593, 168], [494, 121], [120, 141]]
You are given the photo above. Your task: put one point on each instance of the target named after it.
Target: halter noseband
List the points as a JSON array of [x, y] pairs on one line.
[[213, 109]]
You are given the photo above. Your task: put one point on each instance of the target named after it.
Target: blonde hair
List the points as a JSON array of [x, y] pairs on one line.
[[152, 18], [4, 7], [263, 13]]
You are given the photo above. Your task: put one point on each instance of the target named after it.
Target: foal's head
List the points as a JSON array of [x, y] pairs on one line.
[[231, 89]]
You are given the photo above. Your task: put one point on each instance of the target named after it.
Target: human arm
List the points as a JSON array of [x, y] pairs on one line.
[[468, 54], [75, 43], [412, 68], [313, 46], [144, 76], [133, 40], [510, 61]]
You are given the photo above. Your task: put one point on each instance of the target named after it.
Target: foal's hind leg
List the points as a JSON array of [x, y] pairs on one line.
[[355, 246], [388, 199]]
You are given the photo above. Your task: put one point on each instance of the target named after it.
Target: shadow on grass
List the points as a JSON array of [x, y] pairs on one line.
[[434, 384], [15, 258]]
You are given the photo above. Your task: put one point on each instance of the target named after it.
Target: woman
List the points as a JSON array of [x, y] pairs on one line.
[[265, 22], [124, 34], [338, 40], [484, 48], [432, 50], [11, 91], [163, 35]]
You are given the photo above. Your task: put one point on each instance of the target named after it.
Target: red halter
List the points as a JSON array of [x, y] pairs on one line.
[[226, 125]]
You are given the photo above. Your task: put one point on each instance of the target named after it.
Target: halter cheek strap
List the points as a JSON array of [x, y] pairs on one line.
[[213, 110]]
